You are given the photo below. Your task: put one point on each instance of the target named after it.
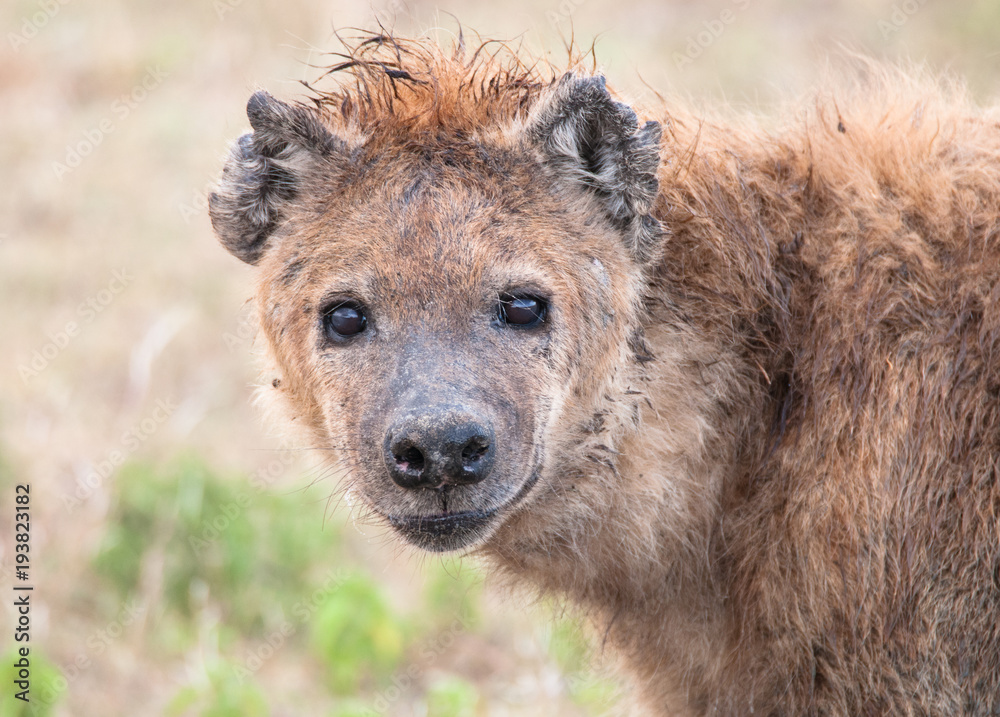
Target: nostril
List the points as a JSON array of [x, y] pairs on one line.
[[473, 450], [411, 460], [472, 458]]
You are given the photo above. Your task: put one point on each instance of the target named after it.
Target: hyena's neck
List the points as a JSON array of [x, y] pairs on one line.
[[631, 541]]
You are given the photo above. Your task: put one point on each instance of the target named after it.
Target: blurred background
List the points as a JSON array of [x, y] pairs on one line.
[[184, 560]]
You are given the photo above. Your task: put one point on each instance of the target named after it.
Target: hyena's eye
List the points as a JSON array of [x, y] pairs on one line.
[[521, 310], [344, 319]]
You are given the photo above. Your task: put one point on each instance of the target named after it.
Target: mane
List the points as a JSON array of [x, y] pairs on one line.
[[385, 83]]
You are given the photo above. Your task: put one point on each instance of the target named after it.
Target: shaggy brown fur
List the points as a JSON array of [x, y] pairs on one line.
[[757, 437]]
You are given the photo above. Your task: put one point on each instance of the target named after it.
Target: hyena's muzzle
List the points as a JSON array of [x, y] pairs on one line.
[[447, 451]]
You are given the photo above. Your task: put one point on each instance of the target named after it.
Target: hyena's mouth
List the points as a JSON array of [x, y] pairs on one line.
[[444, 532], [452, 531]]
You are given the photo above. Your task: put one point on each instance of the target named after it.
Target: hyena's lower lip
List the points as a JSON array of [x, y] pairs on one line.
[[452, 531], [444, 532]]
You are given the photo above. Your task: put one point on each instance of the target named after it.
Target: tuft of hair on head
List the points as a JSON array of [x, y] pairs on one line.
[[417, 84]]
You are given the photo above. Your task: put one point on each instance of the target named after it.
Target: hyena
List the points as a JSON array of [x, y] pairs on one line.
[[733, 392]]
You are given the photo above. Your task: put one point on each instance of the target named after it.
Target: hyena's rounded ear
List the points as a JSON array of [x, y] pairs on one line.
[[591, 140], [264, 172]]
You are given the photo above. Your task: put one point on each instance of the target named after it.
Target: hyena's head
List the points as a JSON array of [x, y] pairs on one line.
[[450, 292]]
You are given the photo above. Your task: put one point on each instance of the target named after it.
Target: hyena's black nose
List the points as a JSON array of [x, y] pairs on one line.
[[435, 448]]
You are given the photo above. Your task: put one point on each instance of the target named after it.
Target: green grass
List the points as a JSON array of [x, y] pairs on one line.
[[279, 583], [224, 695], [358, 636], [46, 684], [252, 553], [452, 697]]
